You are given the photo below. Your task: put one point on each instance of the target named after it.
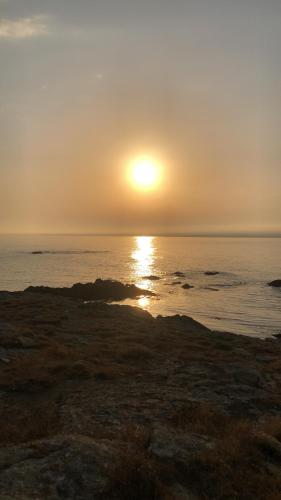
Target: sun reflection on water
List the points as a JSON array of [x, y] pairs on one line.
[[144, 302], [143, 257]]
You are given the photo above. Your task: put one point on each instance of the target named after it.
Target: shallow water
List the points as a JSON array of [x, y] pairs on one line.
[[237, 299]]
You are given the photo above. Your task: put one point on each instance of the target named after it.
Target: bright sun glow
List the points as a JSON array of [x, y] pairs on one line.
[[145, 173]]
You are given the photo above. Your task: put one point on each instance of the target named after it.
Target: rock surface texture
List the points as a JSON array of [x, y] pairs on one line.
[[104, 401]]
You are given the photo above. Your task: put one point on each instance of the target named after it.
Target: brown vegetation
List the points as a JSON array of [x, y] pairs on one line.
[[159, 408]]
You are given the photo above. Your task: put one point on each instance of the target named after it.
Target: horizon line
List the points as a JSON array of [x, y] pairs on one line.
[[167, 235]]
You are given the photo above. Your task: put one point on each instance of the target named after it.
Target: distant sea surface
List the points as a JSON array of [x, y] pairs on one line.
[[236, 300]]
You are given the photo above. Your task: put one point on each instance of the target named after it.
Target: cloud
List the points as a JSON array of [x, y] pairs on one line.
[[25, 27]]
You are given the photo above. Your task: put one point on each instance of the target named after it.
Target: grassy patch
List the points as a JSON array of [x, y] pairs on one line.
[[20, 425]]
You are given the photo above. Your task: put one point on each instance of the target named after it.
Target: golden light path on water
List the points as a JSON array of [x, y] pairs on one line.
[[143, 257]]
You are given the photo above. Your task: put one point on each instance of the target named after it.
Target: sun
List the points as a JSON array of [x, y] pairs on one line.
[[145, 173]]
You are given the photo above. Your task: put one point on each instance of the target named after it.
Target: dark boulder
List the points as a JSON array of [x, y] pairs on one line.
[[275, 283], [151, 277], [100, 290], [187, 286]]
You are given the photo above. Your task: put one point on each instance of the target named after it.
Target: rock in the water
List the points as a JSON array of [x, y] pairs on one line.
[[179, 274], [151, 277], [275, 283], [100, 290], [187, 286], [211, 273]]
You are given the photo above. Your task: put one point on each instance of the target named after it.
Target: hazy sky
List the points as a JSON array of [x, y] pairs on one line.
[[86, 85]]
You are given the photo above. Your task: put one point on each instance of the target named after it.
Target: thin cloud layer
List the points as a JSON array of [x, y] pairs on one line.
[[26, 27]]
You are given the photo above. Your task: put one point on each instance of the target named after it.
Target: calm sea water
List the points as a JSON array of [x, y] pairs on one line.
[[237, 300]]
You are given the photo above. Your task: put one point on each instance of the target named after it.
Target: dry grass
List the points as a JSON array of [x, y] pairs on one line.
[[53, 365], [202, 418], [99, 345], [272, 426], [239, 468], [244, 462], [137, 476], [20, 425]]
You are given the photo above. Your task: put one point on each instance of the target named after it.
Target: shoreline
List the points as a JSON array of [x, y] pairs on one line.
[[114, 291], [104, 400]]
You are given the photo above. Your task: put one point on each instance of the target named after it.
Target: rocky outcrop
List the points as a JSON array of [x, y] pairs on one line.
[[105, 401], [99, 290], [72, 467], [275, 283]]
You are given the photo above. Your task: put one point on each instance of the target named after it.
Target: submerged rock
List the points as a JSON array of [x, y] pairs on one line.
[[187, 286], [179, 274], [99, 290], [275, 283], [211, 273]]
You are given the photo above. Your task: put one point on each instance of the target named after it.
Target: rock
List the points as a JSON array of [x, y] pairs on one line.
[[28, 342], [187, 286], [151, 278], [62, 467], [111, 400], [179, 274], [277, 336], [3, 356], [182, 321], [99, 290], [211, 273], [37, 252], [270, 446], [176, 283], [167, 443], [211, 289], [275, 283], [246, 375]]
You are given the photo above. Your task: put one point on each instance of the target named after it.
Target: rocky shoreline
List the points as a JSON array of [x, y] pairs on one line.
[[104, 401]]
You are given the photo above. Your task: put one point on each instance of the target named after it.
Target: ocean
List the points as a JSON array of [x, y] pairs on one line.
[[236, 300]]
